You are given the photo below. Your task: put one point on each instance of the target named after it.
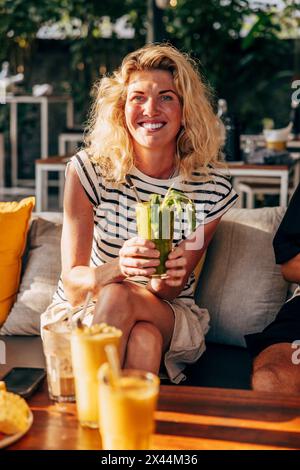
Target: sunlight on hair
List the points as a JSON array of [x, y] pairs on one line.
[[107, 138]]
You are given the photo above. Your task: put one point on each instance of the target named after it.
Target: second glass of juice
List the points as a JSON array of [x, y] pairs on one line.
[[88, 354], [156, 224], [127, 406]]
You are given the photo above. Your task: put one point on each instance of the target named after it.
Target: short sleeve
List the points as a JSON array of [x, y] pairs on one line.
[[286, 242], [223, 196], [88, 176]]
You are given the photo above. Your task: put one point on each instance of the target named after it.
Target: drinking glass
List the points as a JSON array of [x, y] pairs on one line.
[[57, 350], [88, 354], [126, 408], [157, 225]]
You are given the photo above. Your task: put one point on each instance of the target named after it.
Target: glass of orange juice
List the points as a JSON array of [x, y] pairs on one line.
[[88, 354], [126, 408]]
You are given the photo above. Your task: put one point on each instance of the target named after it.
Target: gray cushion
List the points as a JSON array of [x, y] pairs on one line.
[[240, 283], [39, 281]]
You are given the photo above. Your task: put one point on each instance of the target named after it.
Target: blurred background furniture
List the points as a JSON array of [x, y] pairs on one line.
[[69, 136], [251, 189], [42, 169], [7, 193], [254, 179], [43, 102]]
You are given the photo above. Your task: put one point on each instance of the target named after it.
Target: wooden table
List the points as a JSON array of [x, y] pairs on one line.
[[188, 418]]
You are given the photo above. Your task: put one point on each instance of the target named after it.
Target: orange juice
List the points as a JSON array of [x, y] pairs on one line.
[[88, 354], [276, 145], [126, 418]]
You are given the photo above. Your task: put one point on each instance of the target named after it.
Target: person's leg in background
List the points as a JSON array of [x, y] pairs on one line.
[[275, 368]]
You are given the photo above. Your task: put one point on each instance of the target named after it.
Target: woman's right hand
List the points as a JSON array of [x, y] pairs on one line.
[[138, 257]]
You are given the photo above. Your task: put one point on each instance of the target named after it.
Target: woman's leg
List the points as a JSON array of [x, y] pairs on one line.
[[144, 348], [146, 321]]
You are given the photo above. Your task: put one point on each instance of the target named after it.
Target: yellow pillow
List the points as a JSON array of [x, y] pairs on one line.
[[14, 223]]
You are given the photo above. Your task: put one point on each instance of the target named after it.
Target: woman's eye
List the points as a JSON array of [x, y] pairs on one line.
[[138, 99], [166, 98]]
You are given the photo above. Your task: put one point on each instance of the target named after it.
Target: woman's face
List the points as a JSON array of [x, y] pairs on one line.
[[153, 111]]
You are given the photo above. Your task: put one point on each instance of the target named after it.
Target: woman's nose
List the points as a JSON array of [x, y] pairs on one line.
[[150, 107]]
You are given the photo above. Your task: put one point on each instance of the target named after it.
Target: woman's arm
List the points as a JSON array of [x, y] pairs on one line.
[[76, 245], [182, 262]]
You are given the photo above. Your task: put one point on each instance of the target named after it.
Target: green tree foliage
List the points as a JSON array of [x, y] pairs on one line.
[[252, 71]]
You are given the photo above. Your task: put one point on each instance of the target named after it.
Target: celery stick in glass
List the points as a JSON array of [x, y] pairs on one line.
[[155, 222]]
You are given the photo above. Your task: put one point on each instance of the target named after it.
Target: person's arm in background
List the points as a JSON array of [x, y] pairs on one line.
[[291, 270], [287, 241]]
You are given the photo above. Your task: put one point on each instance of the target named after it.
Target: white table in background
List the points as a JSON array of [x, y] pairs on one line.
[[44, 102], [282, 172]]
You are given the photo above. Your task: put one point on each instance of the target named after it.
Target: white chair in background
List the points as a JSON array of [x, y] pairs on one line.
[[259, 187], [252, 190], [70, 136], [42, 169], [68, 141]]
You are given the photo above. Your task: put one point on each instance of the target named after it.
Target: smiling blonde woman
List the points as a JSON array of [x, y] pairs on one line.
[[199, 139], [152, 120]]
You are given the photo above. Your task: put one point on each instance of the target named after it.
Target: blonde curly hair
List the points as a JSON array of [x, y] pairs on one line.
[[107, 139]]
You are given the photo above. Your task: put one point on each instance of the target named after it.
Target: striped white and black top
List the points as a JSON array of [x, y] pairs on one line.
[[114, 210]]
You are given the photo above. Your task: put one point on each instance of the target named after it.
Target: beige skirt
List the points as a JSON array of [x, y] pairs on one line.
[[187, 343]]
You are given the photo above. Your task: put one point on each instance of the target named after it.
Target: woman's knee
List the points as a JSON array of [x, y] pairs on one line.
[[146, 336], [273, 371], [265, 379], [114, 301]]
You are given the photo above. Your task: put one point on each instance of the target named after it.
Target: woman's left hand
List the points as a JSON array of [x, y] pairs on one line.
[[176, 267]]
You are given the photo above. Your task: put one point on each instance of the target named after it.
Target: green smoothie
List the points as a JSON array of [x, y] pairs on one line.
[[157, 226], [155, 222]]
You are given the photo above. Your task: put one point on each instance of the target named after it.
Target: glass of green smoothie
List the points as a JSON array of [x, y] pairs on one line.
[[155, 221]]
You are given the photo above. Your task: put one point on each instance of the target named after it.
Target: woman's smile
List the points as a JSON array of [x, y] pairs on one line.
[[153, 111], [152, 126]]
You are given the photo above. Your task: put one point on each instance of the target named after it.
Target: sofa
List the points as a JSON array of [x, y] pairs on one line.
[[240, 285]]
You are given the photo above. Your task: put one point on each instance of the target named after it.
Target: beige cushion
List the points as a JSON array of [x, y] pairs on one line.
[[241, 286], [39, 281]]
